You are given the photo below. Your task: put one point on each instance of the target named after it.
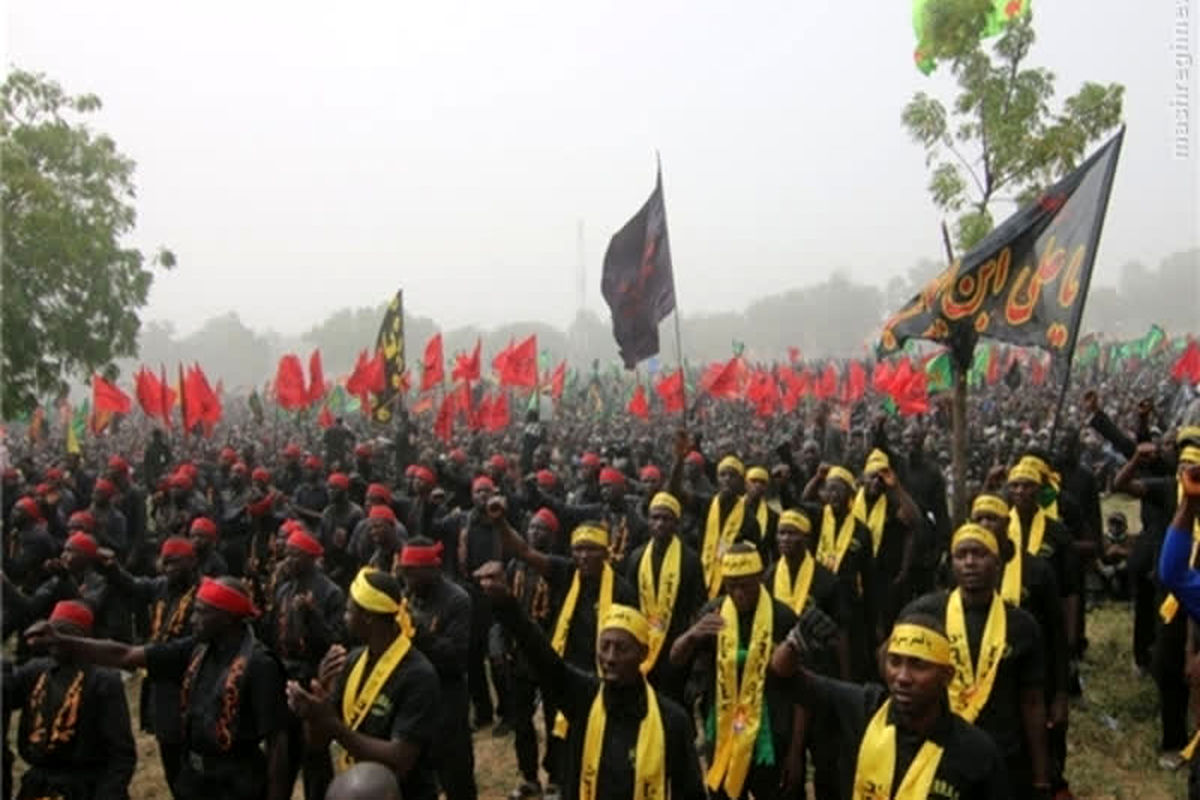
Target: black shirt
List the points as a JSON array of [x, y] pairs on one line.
[[826, 593], [580, 649], [406, 708], [442, 616]]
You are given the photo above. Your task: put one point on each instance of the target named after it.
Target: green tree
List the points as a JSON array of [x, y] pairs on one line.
[[999, 140], [72, 288]]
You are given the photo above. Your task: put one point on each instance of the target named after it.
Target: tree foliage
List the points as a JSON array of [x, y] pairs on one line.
[[999, 139], [72, 289]]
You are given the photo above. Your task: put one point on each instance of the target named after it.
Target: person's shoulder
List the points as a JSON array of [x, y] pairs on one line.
[[974, 749], [1018, 619], [673, 715], [416, 670], [454, 592]]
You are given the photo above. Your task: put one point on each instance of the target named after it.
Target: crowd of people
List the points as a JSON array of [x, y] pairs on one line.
[[717, 606]]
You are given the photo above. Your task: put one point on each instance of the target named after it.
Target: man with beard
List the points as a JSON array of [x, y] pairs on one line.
[[338, 520], [170, 597], [233, 705], [441, 616], [74, 731], [305, 621]]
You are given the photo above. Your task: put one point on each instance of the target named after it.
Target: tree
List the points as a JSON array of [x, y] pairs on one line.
[[72, 289], [999, 140]]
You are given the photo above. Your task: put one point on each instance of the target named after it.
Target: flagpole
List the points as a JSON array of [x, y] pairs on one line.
[[958, 497], [675, 295]]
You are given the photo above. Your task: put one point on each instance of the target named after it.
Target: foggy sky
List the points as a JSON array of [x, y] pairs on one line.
[[302, 157]]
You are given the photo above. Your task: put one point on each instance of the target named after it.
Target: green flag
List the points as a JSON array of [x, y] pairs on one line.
[[79, 423], [1149, 344], [940, 376], [924, 20], [979, 366], [738, 347]]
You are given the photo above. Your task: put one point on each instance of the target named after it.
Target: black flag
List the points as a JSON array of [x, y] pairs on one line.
[[638, 284], [390, 342], [1027, 281]]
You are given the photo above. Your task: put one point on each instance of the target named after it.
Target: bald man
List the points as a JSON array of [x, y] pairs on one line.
[[365, 781]]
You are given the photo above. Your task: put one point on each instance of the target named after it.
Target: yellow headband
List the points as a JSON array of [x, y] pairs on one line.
[[758, 474], [1188, 432], [371, 599], [737, 565], [589, 534], [1046, 474], [841, 474], [876, 461], [990, 504], [733, 463], [919, 642], [976, 533], [668, 501], [1189, 455], [629, 620], [1024, 472], [795, 519]]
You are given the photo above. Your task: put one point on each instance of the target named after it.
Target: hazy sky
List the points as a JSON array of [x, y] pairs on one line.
[[301, 157]]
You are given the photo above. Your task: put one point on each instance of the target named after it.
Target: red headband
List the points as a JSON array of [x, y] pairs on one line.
[[119, 464], [482, 482], [83, 519], [291, 451], [590, 460], [84, 544], [651, 473], [203, 526], [228, 455], [104, 485], [458, 456], [339, 480], [260, 475], [302, 541], [378, 490], [30, 507], [176, 546], [180, 480], [225, 598], [612, 477], [73, 612], [546, 478], [497, 462], [695, 457], [381, 512], [415, 556], [312, 462], [547, 516], [425, 474]]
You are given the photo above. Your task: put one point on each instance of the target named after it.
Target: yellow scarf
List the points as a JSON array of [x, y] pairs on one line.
[[972, 683], [761, 516], [658, 602], [877, 764], [563, 625], [739, 708], [831, 550], [794, 595], [649, 771], [1170, 606], [717, 538], [355, 703], [874, 518], [1010, 584]]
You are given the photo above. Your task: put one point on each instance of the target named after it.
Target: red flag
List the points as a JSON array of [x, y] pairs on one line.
[[1037, 371], [498, 418], [290, 391], [203, 403], [993, 367], [856, 382], [461, 397], [466, 368], [325, 418], [670, 390], [367, 378], [792, 388], [558, 379], [763, 392], [724, 380], [432, 370], [108, 397], [149, 393], [184, 403], [638, 405], [443, 424], [316, 378], [423, 405], [168, 395], [828, 384], [915, 397], [793, 355], [481, 415], [1187, 368], [881, 377], [519, 365]]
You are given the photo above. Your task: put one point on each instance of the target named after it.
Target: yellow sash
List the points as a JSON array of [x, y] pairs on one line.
[[649, 771], [831, 550], [739, 708], [874, 518], [717, 538], [794, 595], [563, 625], [1170, 606], [761, 516], [972, 683], [1010, 584], [877, 764], [356, 704], [658, 602]]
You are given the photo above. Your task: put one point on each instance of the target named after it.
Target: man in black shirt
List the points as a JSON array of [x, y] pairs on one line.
[[232, 695]]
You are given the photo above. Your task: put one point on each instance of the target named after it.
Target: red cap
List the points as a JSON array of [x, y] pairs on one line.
[[362, 450], [381, 512], [549, 517], [104, 486], [83, 543], [650, 473], [590, 460], [118, 464], [498, 462], [696, 458], [546, 479], [458, 456], [43, 489], [312, 461], [180, 480], [483, 481], [339, 480], [176, 546], [291, 451], [54, 474], [377, 491], [29, 508], [611, 477], [73, 612], [189, 469], [11, 474], [226, 598], [203, 526], [301, 540], [260, 475], [424, 474], [228, 455], [83, 520], [428, 556], [239, 469]]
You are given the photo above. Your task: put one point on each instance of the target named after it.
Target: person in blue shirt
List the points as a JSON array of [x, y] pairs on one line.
[[1175, 568]]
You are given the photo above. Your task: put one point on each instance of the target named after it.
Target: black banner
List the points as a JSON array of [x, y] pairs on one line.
[[638, 284], [390, 342], [1027, 281]]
